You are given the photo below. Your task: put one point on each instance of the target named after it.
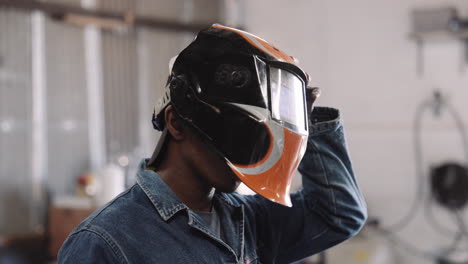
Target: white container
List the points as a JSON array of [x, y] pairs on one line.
[[111, 182]]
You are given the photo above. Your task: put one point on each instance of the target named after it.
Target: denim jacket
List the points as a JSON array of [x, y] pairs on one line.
[[148, 223]]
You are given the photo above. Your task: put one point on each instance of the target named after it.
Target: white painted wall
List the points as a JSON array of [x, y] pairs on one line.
[[359, 53]]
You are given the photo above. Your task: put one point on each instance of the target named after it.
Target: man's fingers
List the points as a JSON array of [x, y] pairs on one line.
[[315, 92], [312, 93]]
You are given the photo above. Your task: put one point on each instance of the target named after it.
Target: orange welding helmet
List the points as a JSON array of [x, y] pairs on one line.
[[247, 99]]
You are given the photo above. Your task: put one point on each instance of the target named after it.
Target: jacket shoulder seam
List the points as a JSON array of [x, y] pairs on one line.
[[116, 250], [106, 206]]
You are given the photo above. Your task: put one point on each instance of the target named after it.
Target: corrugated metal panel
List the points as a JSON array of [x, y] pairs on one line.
[[67, 104], [120, 93], [156, 48], [15, 120]]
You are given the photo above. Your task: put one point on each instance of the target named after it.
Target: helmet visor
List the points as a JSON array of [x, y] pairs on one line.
[[286, 91], [288, 100]]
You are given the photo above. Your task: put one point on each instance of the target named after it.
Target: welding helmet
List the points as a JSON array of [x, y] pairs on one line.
[[247, 99]]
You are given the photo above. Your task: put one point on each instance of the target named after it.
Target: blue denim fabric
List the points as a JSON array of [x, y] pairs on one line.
[[148, 224]]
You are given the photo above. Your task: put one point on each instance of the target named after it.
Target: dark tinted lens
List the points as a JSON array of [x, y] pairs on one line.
[[237, 135]]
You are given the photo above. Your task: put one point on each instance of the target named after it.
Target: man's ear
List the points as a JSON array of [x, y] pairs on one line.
[[174, 124]]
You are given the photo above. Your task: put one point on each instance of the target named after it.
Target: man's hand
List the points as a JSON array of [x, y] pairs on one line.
[[312, 93]]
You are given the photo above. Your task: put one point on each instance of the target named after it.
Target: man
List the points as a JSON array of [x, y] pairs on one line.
[[234, 110]]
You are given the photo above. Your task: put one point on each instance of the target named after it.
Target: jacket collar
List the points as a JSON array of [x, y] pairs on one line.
[[162, 197]]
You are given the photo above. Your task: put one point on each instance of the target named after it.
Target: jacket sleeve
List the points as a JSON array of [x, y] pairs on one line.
[[88, 246], [328, 210]]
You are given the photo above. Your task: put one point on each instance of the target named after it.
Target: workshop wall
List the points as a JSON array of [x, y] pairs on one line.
[[360, 54]]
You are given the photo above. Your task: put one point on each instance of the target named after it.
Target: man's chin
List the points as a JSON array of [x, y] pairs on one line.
[[230, 188]]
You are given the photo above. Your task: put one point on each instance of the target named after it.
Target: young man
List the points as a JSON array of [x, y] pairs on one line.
[[235, 109]]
